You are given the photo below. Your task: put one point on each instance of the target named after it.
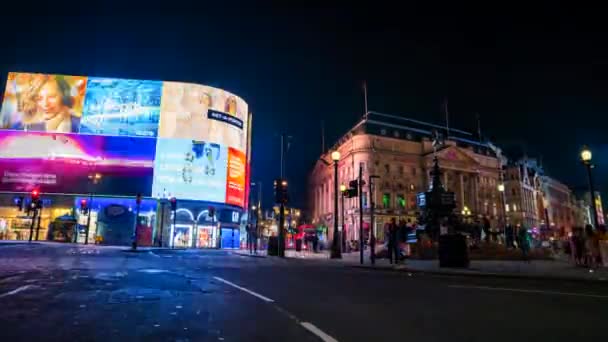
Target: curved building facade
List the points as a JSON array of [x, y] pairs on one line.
[[97, 143]]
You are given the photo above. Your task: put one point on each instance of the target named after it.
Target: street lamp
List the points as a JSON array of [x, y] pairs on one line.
[[336, 253], [162, 200], [586, 160], [343, 194], [94, 178], [501, 189]]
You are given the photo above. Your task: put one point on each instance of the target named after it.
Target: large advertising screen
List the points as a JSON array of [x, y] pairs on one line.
[[190, 169], [66, 163], [203, 113], [121, 107], [146, 137], [48, 103]]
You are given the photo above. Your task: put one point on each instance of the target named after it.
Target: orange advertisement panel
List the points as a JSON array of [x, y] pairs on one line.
[[235, 183]]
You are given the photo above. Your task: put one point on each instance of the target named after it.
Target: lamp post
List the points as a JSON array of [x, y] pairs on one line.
[[501, 190], [586, 160], [94, 178], [163, 201], [336, 253], [343, 236]]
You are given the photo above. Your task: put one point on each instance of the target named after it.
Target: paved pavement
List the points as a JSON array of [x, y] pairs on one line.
[[54, 292], [546, 269]]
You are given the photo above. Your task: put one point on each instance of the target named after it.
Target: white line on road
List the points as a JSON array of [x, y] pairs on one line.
[[559, 293], [266, 299], [17, 290], [322, 335]]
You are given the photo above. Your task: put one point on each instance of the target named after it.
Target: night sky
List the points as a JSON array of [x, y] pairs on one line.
[[537, 77]]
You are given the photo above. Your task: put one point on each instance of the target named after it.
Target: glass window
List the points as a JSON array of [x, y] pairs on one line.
[[364, 195], [413, 171], [386, 200], [514, 207], [387, 168], [507, 207], [401, 201], [400, 169]]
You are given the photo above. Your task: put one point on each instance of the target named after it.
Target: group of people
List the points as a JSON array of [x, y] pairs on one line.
[[585, 245], [397, 234]]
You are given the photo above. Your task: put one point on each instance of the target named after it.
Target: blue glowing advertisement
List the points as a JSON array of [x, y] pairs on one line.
[[189, 169], [121, 107]]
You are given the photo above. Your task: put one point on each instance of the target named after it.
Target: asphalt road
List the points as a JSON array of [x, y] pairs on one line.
[[54, 292]]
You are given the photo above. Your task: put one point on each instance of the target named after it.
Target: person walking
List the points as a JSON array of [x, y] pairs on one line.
[[393, 243]]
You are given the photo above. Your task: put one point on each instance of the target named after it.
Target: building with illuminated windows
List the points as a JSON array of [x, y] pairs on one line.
[[400, 152]]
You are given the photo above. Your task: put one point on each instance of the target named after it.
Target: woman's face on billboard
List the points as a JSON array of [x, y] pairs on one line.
[[49, 100]]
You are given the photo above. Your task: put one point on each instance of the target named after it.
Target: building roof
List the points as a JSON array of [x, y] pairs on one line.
[[399, 127]]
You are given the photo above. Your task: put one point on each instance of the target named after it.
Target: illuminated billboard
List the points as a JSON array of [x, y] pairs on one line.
[[48, 103], [203, 113], [145, 137], [121, 107], [62, 163], [190, 169]]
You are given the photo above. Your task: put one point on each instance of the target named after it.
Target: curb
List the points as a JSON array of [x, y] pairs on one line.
[[482, 274], [250, 255]]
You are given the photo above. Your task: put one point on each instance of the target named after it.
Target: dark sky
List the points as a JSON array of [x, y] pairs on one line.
[[536, 76]]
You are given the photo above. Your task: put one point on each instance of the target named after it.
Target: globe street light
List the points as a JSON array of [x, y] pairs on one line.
[[586, 160], [335, 246]]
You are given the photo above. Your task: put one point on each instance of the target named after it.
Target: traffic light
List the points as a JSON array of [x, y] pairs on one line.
[[36, 200], [280, 191], [84, 209], [35, 195], [173, 202]]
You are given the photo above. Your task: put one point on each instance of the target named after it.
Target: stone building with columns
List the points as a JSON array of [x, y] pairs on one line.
[[400, 152]]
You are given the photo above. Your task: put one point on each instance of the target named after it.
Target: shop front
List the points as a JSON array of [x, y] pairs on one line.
[[16, 224]]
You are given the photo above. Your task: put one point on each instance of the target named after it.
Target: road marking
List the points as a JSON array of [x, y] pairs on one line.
[[266, 299], [17, 290], [559, 293], [153, 254], [320, 333]]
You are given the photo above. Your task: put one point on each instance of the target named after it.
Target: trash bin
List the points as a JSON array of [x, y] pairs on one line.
[[453, 251], [273, 246]]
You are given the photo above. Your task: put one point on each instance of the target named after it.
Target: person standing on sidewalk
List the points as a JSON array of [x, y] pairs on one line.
[[393, 241]]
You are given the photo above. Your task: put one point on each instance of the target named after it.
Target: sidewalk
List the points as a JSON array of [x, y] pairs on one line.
[[537, 269]]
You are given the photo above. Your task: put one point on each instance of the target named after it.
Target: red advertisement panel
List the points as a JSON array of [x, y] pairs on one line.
[[235, 183]]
